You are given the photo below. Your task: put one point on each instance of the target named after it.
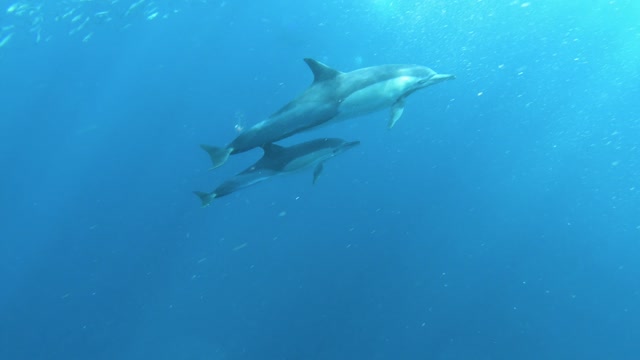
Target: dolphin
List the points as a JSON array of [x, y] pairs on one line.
[[334, 96], [278, 160]]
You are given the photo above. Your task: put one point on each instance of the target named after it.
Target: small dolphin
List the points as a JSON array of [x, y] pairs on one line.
[[334, 96], [278, 160]]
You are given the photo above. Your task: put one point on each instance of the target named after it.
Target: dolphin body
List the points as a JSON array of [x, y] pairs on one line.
[[278, 160], [334, 96]]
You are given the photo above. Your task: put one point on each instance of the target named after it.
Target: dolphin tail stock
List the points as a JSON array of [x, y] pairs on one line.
[[218, 155], [205, 197]]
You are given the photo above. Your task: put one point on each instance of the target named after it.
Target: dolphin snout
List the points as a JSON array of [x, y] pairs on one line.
[[442, 77]]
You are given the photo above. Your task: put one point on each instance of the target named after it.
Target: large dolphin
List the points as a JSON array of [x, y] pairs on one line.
[[278, 160], [334, 96]]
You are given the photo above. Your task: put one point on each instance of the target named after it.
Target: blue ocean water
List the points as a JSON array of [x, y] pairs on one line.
[[499, 218]]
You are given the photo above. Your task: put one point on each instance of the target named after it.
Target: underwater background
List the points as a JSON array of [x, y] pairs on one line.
[[498, 219]]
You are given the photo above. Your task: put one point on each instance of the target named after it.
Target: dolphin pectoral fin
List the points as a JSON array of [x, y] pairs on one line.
[[206, 198], [218, 155], [396, 112], [317, 171]]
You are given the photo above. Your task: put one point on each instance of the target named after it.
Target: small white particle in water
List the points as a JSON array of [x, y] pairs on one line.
[[241, 246], [87, 37], [480, 93], [282, 213], [615, 163], [5, 40], [524, 5]]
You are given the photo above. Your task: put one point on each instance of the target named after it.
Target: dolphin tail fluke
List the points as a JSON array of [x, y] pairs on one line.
[[206, 198], [218, 155]]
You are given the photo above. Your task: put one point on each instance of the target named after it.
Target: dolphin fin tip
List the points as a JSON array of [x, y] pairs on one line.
[[396, 111], [316, 172], [321, 72], [217, 155], [205, 198]]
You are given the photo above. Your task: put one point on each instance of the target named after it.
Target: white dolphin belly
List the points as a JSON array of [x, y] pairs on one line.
[[372, 98], [305, 161]]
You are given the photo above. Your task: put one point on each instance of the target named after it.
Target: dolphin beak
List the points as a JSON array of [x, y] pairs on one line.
[[442, 77], [351, 144]]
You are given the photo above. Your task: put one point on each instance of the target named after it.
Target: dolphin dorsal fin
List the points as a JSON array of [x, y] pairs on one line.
[[271, 149], [321, 72]]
